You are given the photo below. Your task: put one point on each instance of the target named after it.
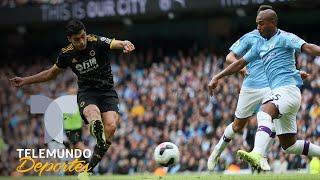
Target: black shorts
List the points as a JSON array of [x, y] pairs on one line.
[[104, 100]]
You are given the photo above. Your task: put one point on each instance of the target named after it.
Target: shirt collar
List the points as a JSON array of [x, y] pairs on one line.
[[276, 34]]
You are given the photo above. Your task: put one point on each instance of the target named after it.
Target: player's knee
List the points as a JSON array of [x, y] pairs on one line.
[[289, 148], [270, 109], [264, 119], [92, 112], [288, 143], [111, 125], [237, 128]]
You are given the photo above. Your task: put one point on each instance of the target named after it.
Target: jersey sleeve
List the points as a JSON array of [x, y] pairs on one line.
[[294, 42], [240, 46], [251, 55], [105, 42], [61, 61]]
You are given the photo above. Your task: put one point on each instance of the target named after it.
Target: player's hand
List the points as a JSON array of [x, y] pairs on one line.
[[17, 81], [128, 47], [304, 75], [243, 72], [212, 85]]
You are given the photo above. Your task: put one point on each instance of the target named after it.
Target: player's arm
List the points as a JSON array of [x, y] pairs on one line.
[[126, 45], [231, 69], [311, 49], [237, 50], [298, 44], [43, 76], [231, 58]]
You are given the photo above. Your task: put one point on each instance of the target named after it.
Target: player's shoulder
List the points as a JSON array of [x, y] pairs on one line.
[[252, 34], [92, 37], [285, 34], [250, 37], [69, 48], [99, 39], [289, 37]]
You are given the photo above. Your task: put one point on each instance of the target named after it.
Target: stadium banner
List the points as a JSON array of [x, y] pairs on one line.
[[104, 9]]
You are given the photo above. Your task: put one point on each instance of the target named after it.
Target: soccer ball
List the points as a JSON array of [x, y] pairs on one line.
[[167, 154]]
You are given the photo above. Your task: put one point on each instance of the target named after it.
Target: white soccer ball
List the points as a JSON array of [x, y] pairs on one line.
[[167, 154]]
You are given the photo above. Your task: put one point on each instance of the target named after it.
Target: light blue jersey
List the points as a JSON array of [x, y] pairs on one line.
[[256, 77], [278, 57]]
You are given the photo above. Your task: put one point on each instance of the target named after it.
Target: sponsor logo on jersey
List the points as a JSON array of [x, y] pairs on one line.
[[92, 53], [88, 65], [269, 56]]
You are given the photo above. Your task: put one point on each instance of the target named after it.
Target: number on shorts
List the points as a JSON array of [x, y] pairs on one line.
[[276, 97]]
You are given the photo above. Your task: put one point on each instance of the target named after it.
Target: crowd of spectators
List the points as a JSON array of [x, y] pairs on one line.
[[162, 98]]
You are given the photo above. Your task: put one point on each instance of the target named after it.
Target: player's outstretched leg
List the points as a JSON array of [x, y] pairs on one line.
[[229, 133], [104, 132], [97, 130], [102, 146], [300, 147], [252, 158], [256, 160], [98, 153], [75, 139], [93, 116], [265, 134], [264, 161]]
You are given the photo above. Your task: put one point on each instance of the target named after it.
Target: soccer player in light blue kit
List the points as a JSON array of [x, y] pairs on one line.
[[254, 89], [277, 54]]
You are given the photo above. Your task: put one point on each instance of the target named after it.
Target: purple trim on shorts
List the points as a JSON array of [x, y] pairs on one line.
[[265, 129], [226, 139], [306, 148]]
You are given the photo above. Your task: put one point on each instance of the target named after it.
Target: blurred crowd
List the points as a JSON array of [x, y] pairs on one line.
[[163, 97]]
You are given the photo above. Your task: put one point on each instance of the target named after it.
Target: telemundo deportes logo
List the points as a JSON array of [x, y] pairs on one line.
[[53, 111]]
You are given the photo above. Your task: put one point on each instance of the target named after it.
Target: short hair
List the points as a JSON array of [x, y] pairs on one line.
[[264, 7], [74, 27]]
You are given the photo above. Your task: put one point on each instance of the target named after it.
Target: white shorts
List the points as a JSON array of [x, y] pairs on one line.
[[249, 100], [288, 100]]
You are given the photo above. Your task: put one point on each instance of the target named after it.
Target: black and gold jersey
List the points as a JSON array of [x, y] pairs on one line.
[[91, 65]]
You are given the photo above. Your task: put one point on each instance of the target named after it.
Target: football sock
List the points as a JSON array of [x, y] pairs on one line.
[[98, 154], [264, 133], [225, 139], [271, 141]]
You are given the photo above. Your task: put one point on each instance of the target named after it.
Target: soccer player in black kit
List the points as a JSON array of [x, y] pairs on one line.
[[97, 99]]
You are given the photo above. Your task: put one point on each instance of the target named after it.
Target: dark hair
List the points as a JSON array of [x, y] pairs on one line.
[[264, 7], [74, 27]]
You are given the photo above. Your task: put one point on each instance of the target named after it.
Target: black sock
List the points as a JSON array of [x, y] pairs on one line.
[[98, 154], [82, 158]]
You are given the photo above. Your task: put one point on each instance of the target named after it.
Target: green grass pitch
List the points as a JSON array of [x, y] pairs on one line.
[[182, 177]]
